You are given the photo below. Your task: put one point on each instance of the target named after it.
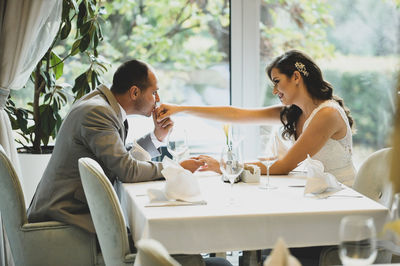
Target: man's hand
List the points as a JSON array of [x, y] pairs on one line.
[[161, 127], [192, 164], [210, 164], [166, 110]]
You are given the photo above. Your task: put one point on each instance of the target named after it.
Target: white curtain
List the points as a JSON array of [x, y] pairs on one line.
[[27, 29]]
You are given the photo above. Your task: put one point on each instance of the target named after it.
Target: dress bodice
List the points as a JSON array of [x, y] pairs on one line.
[[336, 155]]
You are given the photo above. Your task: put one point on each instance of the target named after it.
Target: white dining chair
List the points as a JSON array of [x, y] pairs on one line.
[[109, 222], [372, 180], [43, 243], [106, 214], [373, 177]]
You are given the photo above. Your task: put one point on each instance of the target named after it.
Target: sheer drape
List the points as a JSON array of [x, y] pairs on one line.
[[27, 29]]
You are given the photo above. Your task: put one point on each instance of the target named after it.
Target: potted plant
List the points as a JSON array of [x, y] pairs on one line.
[[41, 120], [38, 123]]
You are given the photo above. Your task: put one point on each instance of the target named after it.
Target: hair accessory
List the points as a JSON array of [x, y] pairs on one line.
[[301, 68]]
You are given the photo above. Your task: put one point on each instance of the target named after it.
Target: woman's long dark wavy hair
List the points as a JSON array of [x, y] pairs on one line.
[[316, 86]]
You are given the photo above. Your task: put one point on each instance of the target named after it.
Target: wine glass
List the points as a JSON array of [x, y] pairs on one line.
[[357, 240], [395, 208], [177, 144], [394, 216], [269, 158], [231, 164]]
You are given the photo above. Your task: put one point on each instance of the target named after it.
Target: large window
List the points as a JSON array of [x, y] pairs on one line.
[[214, 52], [187, 42], [356, 44]]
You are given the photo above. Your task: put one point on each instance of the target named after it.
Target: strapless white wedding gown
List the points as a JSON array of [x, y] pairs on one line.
[[336, 155]]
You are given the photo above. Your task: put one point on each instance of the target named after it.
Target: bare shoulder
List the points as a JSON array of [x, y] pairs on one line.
[[328, 118], [328, 113]]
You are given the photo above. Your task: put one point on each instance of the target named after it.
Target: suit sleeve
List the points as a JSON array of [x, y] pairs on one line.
[[101, 131], [147, 144]]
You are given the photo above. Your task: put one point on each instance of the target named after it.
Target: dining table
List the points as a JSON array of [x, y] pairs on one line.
[[243, 217]]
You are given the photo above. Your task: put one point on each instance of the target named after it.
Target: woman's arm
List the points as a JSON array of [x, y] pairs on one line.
[[327, 123], [224, 113]]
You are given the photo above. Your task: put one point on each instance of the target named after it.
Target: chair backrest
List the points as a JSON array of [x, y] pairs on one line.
[[105, 211], [372, 178], [153, 253], [12, 202]]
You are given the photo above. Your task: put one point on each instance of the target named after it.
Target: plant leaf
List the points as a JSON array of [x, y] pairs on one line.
[[75, 47], [84, 29], [66, 29], [84, 43], [65, 11], [81, 14], [56, 64], [79, 85]]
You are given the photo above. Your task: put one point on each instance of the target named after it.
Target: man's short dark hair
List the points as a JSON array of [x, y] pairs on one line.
[[130, 73]]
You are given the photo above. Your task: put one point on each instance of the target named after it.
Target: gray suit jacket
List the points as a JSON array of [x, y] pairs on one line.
[[93, 128]]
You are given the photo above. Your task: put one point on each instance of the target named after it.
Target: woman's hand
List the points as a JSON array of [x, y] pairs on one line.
[[166, 110], [192, 164], [210, 164]]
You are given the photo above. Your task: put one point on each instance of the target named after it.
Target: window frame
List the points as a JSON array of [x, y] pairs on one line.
[[245, 66]]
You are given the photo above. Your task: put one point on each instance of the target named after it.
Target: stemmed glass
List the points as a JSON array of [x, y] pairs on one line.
[[231, 164], [357, 240], [269, 158], [394, 217], [177, 144], [395, 208]]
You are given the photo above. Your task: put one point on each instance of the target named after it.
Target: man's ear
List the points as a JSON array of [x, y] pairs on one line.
[[134, 92]]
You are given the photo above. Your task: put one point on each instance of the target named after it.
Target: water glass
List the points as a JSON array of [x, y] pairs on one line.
[[268, 159], [177, 144], [357, 236], [231, 164]]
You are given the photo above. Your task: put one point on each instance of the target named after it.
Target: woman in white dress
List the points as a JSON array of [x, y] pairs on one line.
[[315, 120]]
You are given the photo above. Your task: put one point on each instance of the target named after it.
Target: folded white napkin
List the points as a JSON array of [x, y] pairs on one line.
[[318, 181], [280, 256], [251, 174], [180, 185], [139, 153]]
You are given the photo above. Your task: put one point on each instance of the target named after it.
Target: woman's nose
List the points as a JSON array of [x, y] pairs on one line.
[[274, 90]]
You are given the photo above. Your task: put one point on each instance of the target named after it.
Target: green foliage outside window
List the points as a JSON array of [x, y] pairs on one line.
[[181, 38], [183, 34], [357, 42], [371, 103]]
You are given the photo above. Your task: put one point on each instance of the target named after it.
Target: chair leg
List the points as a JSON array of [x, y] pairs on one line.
[[251, 257]]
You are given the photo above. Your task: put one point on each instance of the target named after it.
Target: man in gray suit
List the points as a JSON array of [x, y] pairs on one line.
[[95, 128]]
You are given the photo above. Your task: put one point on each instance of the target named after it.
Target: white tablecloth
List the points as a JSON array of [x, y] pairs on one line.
[[255, 220]]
